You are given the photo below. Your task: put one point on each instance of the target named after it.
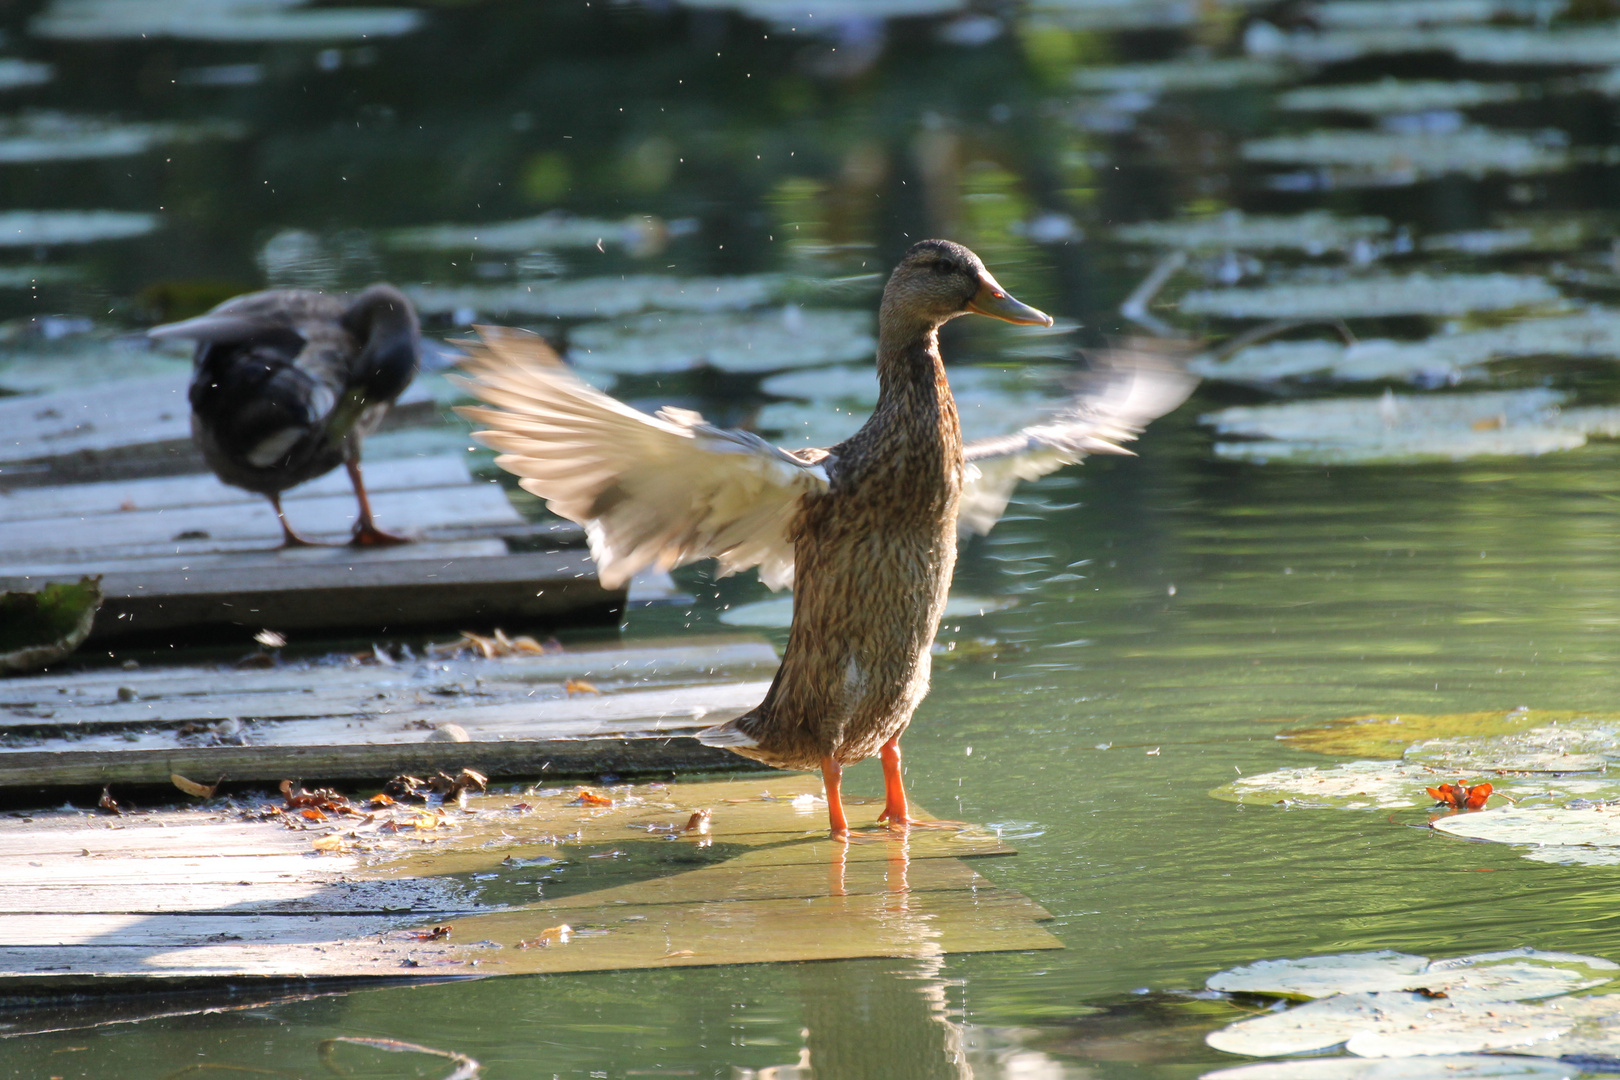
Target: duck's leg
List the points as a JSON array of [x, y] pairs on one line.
[[832, 776], [288, 537], [895, 810], [366, 533]]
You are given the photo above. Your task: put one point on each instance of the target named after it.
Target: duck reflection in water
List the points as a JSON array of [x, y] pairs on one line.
[[865, 531]]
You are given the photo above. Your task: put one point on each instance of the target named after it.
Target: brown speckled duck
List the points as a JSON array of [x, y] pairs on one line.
[[865, 531]]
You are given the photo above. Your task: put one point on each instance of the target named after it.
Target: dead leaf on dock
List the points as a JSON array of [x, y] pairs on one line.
[[494, 647], [586, 797], [578, 686], [191, 787], [108, 803], [555, 935]]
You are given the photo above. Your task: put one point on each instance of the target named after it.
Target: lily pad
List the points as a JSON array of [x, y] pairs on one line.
[[1595, 826], [1397, 96], [1509, 975], [39, 228], [51, 136], [1444, 358], [16, 72], [1442, 1067], [26, 277], [1395, 158], [1397, 428], [795, 11], [1390, 1024], [217, 20], [603, 297], [777, 613], [1568, 234], [1373, 297], [1386, 736], [1316, 232], [754, 341], [1580, 745], [1170, 76], [1587, 45], [639, 234], [39, 628], [1387, 13]]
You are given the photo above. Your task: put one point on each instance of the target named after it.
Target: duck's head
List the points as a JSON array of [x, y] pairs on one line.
[[938, 280]]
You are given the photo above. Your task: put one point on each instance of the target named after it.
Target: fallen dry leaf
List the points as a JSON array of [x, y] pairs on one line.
[[578, 686], [191, 787], [555, 935], [330, 842], [438, 933], [586, 797], [107, 803], [699, 822], [677, 953], [311, 814]]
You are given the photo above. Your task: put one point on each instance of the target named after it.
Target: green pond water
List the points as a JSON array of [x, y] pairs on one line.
[[1174, 611]]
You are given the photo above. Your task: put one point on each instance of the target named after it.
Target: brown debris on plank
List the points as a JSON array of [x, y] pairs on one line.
[[176, 896]]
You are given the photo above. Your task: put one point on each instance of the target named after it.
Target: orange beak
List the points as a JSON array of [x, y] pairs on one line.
[[992, 300]]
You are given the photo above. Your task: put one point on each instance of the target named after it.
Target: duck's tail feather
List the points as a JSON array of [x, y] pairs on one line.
[[728, 735]]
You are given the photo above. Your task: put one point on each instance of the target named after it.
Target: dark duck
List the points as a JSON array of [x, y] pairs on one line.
[[865, 531], [288, 382]]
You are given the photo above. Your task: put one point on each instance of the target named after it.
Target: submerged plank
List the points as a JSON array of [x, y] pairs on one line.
[[538, 882], [901, 924]]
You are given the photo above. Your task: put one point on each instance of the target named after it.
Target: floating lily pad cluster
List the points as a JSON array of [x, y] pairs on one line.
[[1553, 795], [1442, 1016]]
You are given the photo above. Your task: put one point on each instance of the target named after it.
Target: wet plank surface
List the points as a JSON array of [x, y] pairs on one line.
[[624, 709], [179, 553], [528, 882]]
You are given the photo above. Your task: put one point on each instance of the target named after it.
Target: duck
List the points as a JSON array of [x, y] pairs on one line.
[[865, 532], [287, 383]]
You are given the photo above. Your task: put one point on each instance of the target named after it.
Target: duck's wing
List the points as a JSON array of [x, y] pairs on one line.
[[1120, 396], [665, 490]]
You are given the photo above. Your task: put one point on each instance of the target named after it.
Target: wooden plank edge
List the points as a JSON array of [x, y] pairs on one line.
[[560, 758]]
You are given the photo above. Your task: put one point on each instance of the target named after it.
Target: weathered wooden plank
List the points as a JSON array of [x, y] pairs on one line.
[[321, 516], [709, 657], [338, 897], [357, 592], [181, 929], [205, 489], [548, 711], [238, 556], [659, 753]]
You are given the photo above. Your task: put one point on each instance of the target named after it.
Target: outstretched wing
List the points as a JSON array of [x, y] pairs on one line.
[[1128, 389], [665, 490]]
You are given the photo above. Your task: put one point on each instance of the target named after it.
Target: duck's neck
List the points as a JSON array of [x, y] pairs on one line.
[[908, 357]]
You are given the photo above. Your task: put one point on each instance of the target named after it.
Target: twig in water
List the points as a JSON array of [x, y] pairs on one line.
[[466, 1067]]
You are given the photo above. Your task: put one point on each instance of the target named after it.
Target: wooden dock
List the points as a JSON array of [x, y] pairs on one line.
[[523, 883], [623, 710], [184, 554]]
